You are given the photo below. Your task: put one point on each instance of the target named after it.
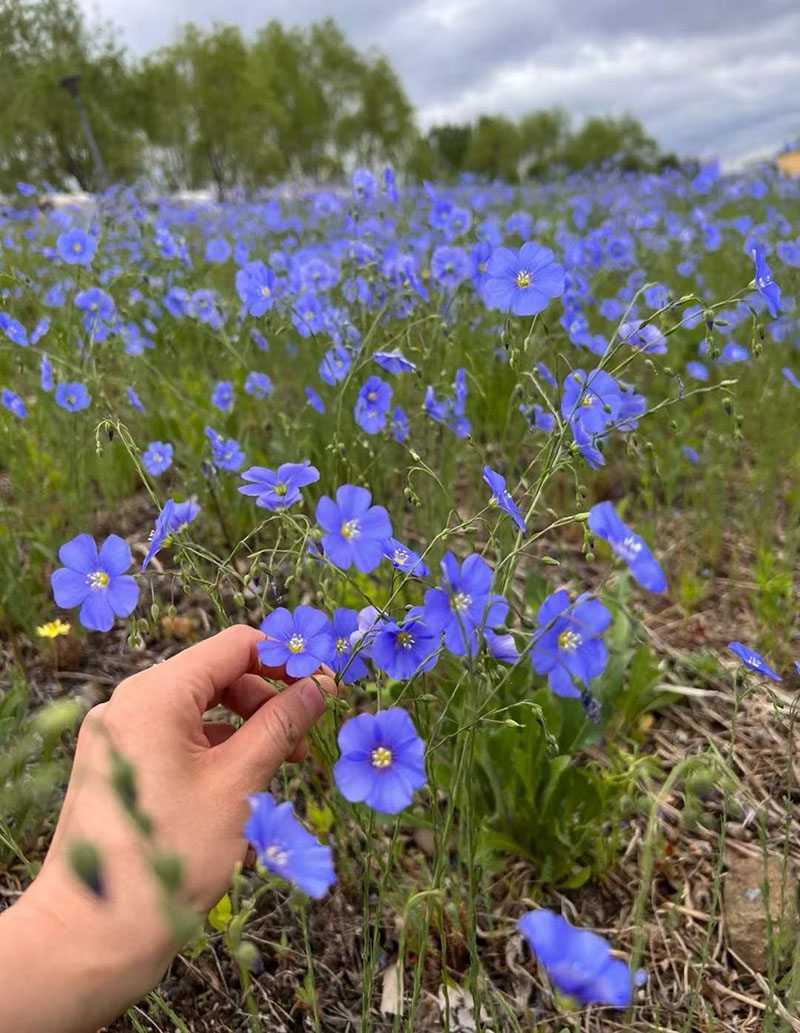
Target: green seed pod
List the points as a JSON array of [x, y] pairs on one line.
[[84, 860], [238, 598], [168, 869], [247, 955], [123, 781]]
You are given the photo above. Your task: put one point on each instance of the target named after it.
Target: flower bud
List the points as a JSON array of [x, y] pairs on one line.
[[247, 955]]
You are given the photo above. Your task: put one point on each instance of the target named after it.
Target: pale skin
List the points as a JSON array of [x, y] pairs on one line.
[[70, 962]]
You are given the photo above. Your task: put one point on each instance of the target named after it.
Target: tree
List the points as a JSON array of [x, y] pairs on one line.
[[543, 135], [621, 141], [495, 148], [42, 42], [450, 145]]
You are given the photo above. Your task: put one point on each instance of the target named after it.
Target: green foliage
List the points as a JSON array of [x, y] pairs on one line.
[[32, 764], [541, 141], [214, 107], [540, 794], [41, 42], [622, 141]]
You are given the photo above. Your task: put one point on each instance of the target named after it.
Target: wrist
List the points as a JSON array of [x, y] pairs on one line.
[[79, 963]]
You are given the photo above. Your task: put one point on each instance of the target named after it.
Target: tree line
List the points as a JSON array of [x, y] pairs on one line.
[[216, 108]]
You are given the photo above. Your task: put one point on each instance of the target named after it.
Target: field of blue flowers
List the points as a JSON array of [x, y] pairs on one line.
[[520, 465]]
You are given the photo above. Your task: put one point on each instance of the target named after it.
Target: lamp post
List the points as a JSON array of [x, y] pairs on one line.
[[72, 84]]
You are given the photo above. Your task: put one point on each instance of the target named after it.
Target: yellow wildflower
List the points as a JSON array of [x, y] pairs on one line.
[[53, 629]]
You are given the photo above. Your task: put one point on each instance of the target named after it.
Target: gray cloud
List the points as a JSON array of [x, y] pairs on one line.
[[709, 77]]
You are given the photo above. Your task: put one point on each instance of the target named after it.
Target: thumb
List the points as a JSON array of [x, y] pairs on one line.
[[271, 735]]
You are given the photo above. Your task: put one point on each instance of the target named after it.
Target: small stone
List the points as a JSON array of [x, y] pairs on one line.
[[751, 890]]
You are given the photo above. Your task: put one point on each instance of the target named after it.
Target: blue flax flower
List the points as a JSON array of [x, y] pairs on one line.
[[314, 400], [502, 647], [134, 399], [464, 604], [449, 265], [363, 185], [41, 328], [73, 397], [255, 285], [764, 284], [578, 962], [222, 395], [791, 377], [301, 641], [347, 660], [175, 516], [14, 330], [403, 558], [226, 454], [95, 581], [399, 424], [567, 647], [46, 381], [394, 362], [335, 365], [406, 648], [644, 336], [278, 489], [258, 385], [157, 457], [12, 401], [372, 405], [690, 453], [287, 849], [753, 660], [355, 531], [382, 760], [218, 250], [75, 247], [605, 523], [522, 282], [501, 497]]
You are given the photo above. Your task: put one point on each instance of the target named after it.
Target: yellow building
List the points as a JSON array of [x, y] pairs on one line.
[[789, 163]]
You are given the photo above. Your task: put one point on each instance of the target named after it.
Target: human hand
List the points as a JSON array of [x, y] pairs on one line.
[[192, 780]]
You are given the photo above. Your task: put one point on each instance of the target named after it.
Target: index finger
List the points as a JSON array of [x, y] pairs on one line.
[[204, 671]]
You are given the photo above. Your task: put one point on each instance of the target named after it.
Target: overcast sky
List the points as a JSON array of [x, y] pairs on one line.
[[706, 77]]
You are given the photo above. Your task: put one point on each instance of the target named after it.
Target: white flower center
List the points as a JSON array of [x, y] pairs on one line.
[[342, 645], [350, 529], [381, 757], [400, 557], [98, 579], [275, 855], [568, 641], [630, 547], [296, 643], [523, 279], [461, 601], [405, 640]]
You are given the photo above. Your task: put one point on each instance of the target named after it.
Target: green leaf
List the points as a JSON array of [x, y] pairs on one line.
[[321, 818], [220, 915]]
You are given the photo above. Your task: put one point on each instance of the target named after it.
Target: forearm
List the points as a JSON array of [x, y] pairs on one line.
[[66, 967]]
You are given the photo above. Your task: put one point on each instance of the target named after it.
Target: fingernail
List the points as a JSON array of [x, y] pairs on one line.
[[313, 697]]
